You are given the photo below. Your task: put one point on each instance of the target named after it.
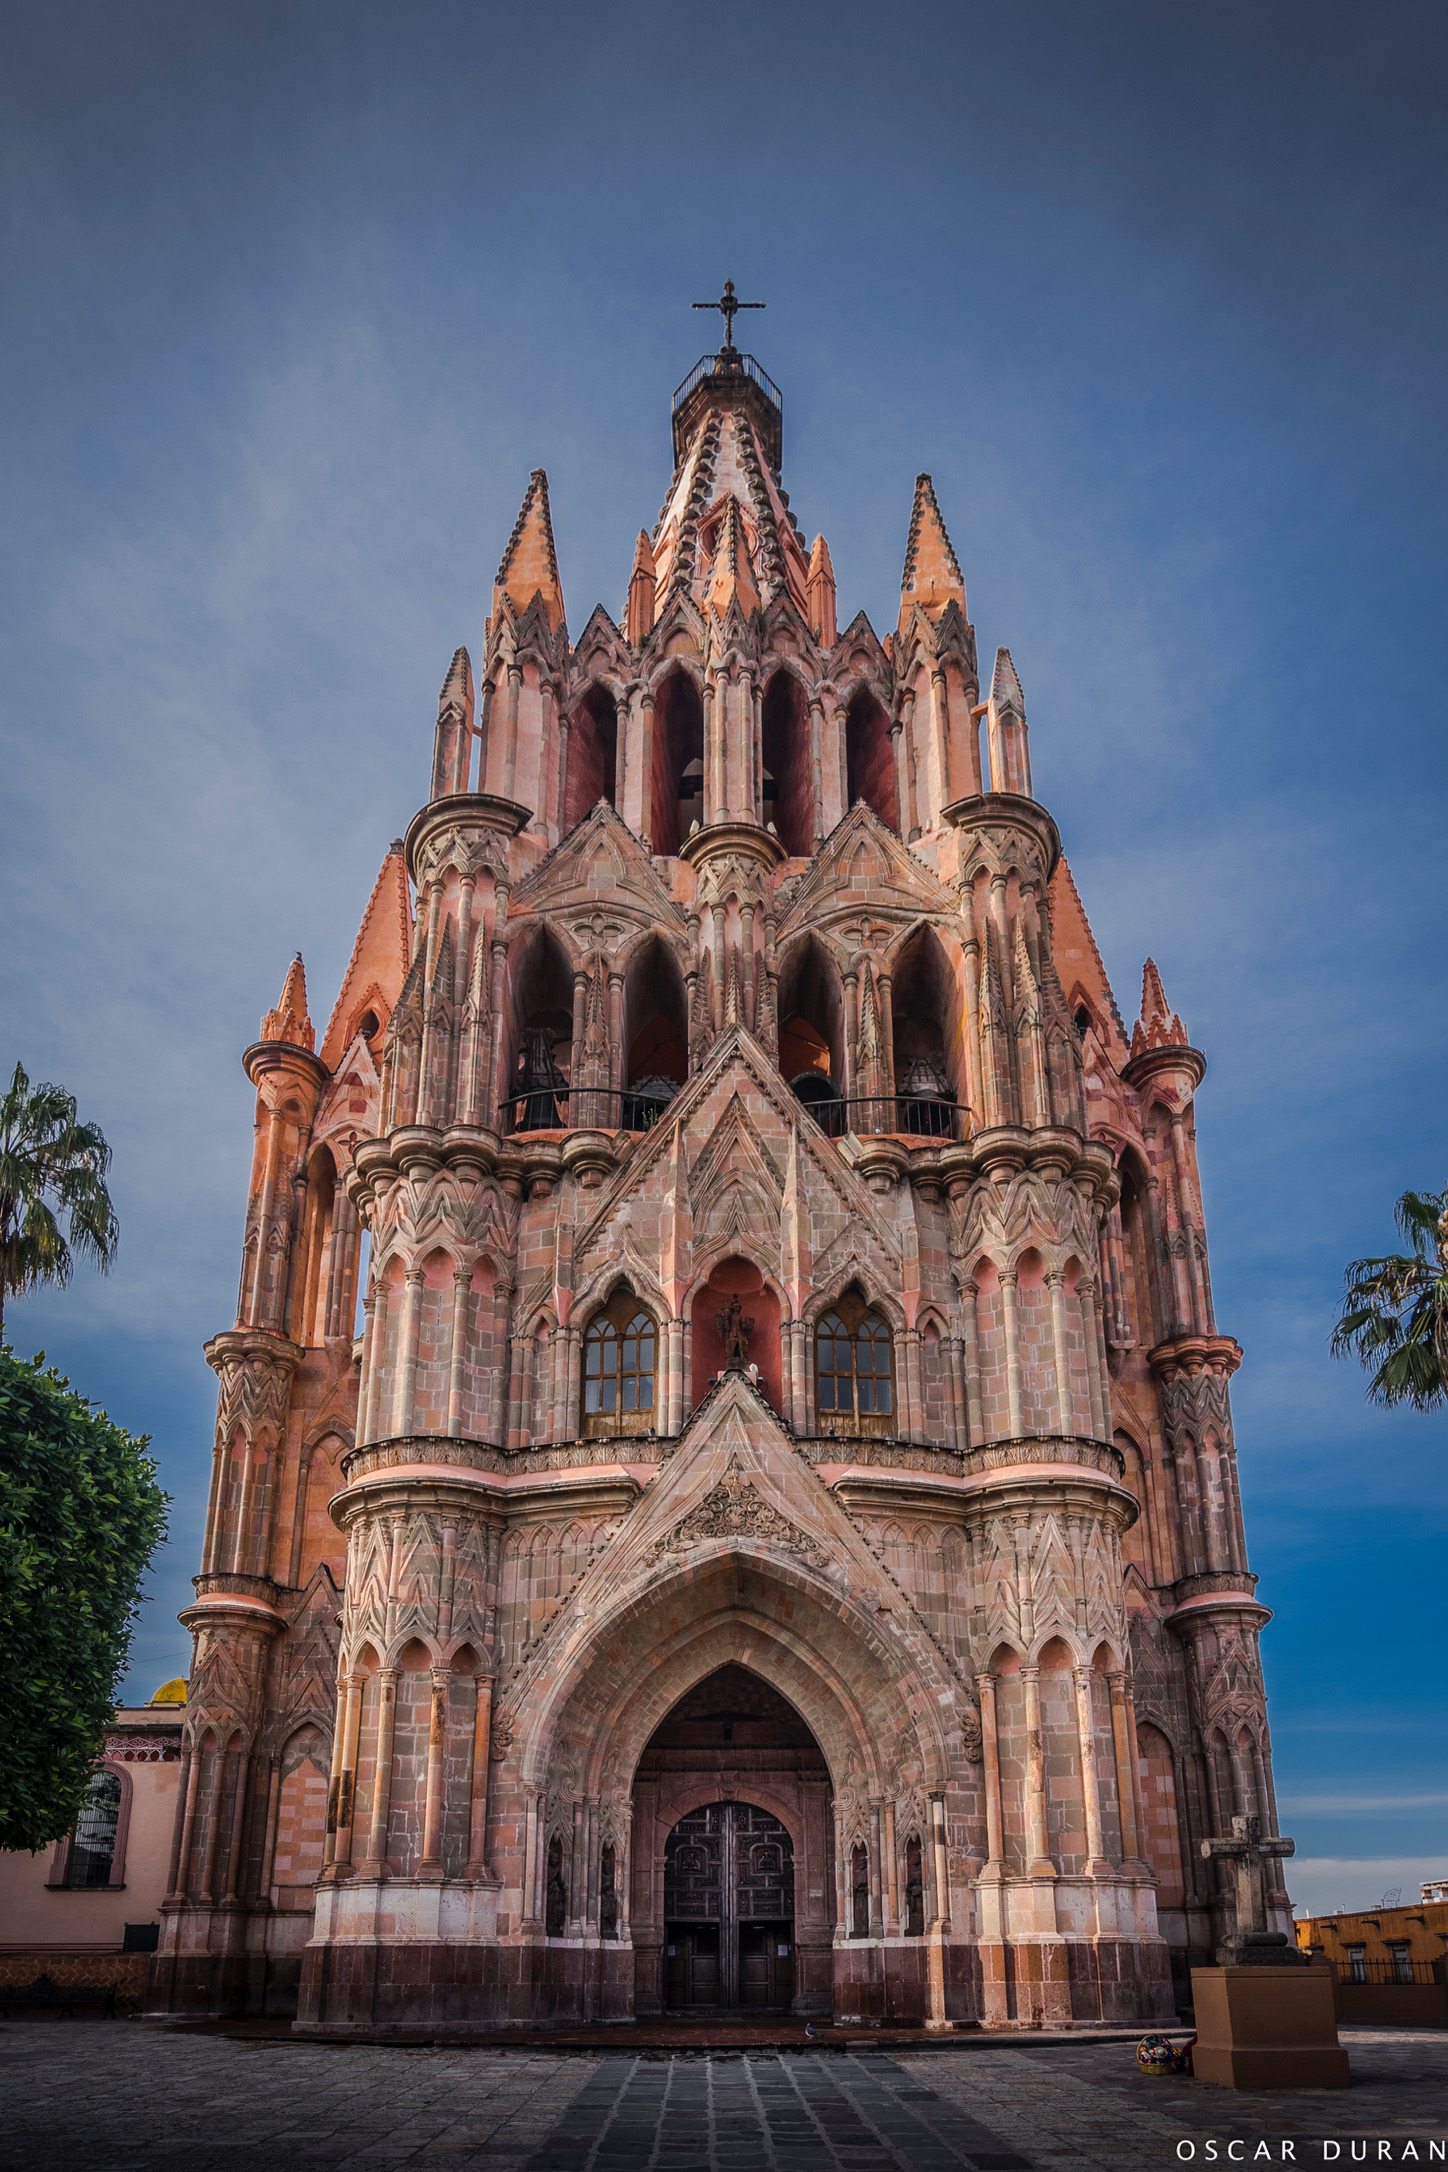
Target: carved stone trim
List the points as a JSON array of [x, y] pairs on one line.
[[735, 1508]]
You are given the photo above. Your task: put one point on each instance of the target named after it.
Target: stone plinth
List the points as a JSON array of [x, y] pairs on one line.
[[1267, 2028]]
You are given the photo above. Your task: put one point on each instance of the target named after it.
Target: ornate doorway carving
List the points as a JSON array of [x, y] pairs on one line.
[[729, 1909]]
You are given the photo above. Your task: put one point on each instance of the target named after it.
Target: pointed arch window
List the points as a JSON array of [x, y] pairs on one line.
[[620, 1359], [854, 1367]]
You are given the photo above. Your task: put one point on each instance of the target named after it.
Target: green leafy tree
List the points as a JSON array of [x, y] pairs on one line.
[[80, 1515], [1395, 1309], [47, 1154]]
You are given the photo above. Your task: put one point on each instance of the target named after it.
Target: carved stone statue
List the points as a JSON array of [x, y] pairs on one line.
[[735, 1330]]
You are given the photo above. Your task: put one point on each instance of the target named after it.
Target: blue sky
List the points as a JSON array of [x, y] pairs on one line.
[[296, 297]]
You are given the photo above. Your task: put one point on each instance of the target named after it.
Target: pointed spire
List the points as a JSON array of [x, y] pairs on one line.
[[453, 742], [530, 562], [457, 688], [638, 620], [379, 963], [1005, 685], [822, 595], [1158, 1025], [289, 1020], [733, 575], [932, 574]]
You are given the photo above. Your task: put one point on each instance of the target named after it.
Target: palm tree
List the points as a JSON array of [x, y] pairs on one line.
[[1395, 1310], [47, 1154]]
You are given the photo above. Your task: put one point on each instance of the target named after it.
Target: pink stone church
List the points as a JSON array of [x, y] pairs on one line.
[[724, 1496]]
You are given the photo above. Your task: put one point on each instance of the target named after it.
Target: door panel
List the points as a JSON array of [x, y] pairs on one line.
[[766, 1964], [691, 1966], [729, 1908]]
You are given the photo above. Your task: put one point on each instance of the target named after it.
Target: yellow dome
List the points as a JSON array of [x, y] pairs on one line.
[[173, 1692]]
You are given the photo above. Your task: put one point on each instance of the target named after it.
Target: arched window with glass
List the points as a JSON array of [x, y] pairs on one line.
[[854, 1368], [620, 1356]]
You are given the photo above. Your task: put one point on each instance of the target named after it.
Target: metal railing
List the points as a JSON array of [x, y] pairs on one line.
[[1392, 1971], [919, 1116], [590, 1108], [595, 1108], [729, 362]]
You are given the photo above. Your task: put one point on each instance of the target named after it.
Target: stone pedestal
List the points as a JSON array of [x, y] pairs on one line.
[[1267, 2028]]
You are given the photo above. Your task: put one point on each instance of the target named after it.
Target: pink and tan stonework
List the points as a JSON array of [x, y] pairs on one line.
[[731, 956]]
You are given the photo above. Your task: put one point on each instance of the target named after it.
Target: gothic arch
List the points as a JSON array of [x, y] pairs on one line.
[[785, 754], [655, 1012], [869, 757], [538, 1002], [593, 748], [826, 1299], [811, 1011], [600, 1712], [678, 746], [928, 1011]]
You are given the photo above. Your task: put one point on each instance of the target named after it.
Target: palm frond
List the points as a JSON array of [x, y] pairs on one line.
[[1394, 1313]]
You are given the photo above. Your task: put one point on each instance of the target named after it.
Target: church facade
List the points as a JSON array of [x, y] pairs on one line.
[[724, 1494]]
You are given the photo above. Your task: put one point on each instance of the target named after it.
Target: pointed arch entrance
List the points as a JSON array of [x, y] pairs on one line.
[[733, 1855]]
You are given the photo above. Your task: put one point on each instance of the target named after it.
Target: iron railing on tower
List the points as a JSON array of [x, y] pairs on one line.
[[733, 379]]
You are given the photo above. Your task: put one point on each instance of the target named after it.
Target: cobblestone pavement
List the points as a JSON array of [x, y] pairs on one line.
[[90, 2097]]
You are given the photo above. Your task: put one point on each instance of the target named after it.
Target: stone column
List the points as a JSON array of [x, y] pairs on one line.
[[376, 1863], [406, 1383], [238, 1822], [531, 1847], [817, 803], [1126, 1776], [431, 1865], [646, 768], [1096, 1863], [974, 1410], [1013, 1352], [914, 1427], [347, 1773], [990, 1752], [1086, 1305], [892, 1875], [1066, 1416], [510, 743], [1039, 1864], [477, 1863], [181, 1851], [269, 1837], [876, 1919], [458, 1350], [959, 1432]]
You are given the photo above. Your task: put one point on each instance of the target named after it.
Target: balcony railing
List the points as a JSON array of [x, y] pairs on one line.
[[1393, 1971], [920, 1116], [592, 1108], [729, 362]]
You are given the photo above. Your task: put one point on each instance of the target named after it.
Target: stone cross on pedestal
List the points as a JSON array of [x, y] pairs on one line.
[[1249, 1855]]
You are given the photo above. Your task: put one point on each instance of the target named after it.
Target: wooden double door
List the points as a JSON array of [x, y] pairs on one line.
[[729, 1910]]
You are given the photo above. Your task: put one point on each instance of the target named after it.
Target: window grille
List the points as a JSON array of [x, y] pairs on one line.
[[93, 1843]]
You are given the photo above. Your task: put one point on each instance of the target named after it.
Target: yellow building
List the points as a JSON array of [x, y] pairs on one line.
[[1384, 1945]]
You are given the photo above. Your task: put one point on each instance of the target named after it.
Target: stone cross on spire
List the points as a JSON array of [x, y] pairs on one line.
[[1249, 1855], [729, 309]]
